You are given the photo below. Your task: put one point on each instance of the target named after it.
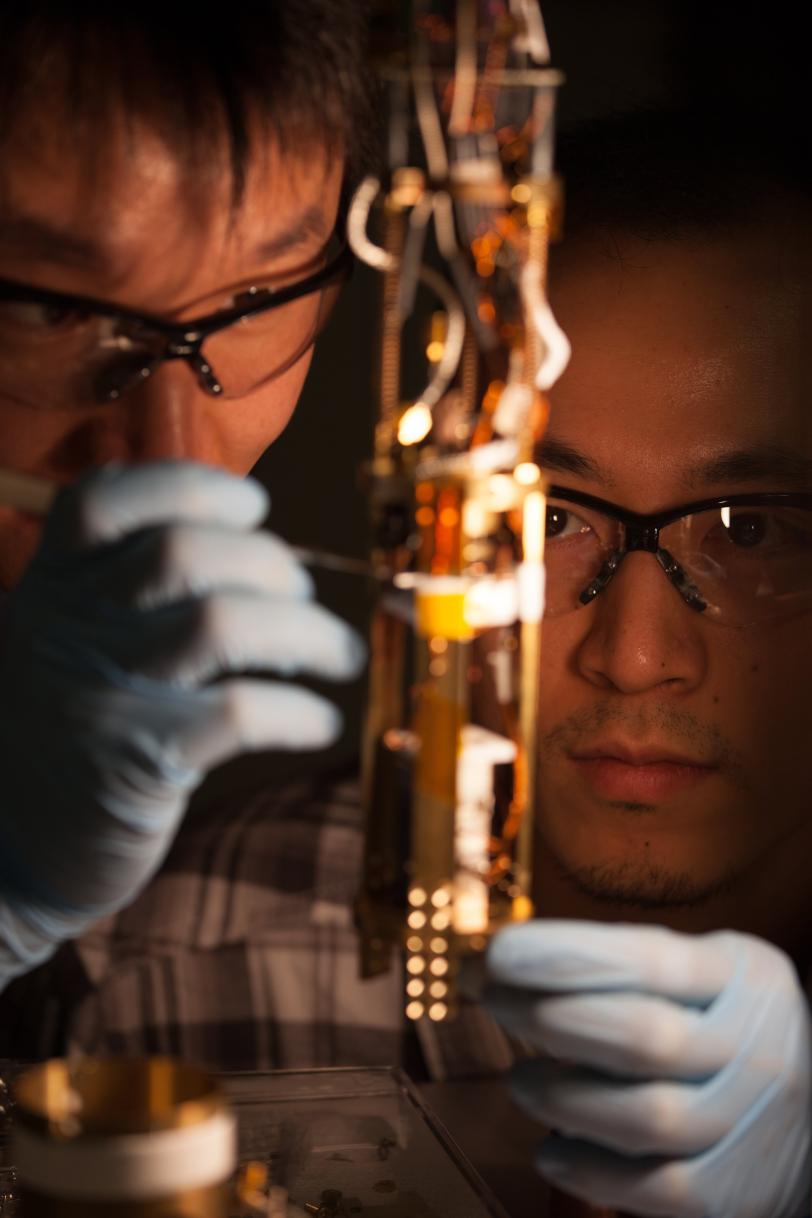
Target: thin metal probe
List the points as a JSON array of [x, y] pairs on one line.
[[33, 494]]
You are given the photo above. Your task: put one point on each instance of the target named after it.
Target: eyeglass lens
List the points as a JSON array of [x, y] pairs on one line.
[[750, 563], [69, 358]]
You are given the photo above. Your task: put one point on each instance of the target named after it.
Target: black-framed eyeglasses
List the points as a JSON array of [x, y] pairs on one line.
[[739, 559], [62, 351]]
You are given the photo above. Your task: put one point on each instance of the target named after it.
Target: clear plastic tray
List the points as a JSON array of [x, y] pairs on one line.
[[363, 1133]]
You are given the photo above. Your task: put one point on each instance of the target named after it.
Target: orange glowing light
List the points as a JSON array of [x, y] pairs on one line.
[[446, 534], [510, 333], [492, 395], [486, 311], [482, 433], [424, 517]]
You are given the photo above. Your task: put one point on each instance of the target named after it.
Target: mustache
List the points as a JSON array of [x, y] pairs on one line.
[[665, 724]]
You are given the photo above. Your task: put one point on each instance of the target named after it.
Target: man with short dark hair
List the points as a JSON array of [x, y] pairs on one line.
[[675, 677], [170, 248], [675, 719]]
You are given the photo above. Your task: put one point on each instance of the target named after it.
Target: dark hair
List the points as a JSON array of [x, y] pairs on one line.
[[297, 65]]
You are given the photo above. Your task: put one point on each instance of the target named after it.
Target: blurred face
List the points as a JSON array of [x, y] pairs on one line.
[[135, 232], [675, 750]]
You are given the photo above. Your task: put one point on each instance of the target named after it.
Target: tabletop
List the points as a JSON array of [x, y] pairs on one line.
[[499, 1140]]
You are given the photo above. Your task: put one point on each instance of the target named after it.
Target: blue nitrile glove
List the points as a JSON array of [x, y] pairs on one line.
[[150, 583], [674, 1070]]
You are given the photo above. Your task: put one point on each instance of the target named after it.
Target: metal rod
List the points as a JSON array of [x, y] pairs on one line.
[[33, 494]]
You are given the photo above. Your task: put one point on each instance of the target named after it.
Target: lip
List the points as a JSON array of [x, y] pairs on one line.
[[651, 754], [646, 775]]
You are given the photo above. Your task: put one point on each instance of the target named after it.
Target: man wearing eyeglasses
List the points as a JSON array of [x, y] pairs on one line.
[[674, 1047], [169, 251]]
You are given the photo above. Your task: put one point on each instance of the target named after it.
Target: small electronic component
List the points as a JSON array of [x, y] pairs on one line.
[[464, 218]]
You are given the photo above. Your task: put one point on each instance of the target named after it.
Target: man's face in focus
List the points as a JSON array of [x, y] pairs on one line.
[[675, 750], [129, 227]]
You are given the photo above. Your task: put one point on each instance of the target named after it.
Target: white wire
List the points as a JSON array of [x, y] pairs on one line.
[[534, 39], [448, 364], [374, 256], [462, 107], [444, 226], [418, 220], [358, 218], [428, 120], [557, 349]]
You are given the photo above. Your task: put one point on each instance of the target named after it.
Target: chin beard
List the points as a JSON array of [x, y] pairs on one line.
[[638, 885]]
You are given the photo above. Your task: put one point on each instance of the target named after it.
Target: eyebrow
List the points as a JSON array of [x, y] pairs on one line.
[[37, 239], [762, 463], [311, 223], [565, 459], [774, 463]]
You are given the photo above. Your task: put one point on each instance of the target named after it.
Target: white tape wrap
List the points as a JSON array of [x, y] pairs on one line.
[[491, 602], [531, 591], [132, 1167]]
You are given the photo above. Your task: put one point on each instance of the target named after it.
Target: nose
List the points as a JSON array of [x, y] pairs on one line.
[[170, 415], [641, 635], [166, 416]]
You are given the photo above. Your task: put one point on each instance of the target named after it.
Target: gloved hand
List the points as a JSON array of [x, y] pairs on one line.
[[149, 584], [674, 1070]]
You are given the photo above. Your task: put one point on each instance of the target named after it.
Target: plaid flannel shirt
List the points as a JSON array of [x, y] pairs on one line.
[[241, 954]]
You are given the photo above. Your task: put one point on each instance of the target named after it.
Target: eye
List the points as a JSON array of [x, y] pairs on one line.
[[769, 534], [748, 529], [36, 315], [563, 523]]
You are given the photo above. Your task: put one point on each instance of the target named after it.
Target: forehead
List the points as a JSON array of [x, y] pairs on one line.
[[684, 349], [127, 190]]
